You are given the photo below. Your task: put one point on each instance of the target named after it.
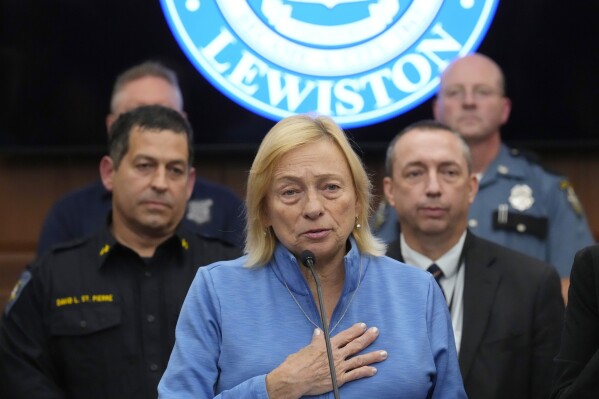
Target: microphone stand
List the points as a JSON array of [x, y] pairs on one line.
[[308, 260]]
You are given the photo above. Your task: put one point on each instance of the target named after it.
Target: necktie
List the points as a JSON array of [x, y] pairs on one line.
[[437, 274]]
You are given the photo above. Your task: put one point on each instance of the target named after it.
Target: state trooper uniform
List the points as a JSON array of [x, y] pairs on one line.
[[92, 319], [521, 206]]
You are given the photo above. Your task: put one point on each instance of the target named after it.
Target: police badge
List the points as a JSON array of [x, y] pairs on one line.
[[199, 211], [17, 289], [521, 197]]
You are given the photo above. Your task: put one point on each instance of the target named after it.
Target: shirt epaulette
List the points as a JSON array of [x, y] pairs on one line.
[[533, 158], [185, 231], [67, 245], [530, 156]]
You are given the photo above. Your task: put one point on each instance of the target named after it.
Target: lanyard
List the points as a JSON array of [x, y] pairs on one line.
[[457, 272], [459, 265]]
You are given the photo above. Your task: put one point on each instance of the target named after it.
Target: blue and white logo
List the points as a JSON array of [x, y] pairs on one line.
[[359, 61]]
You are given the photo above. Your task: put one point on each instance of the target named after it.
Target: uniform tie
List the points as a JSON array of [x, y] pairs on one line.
[[437, 274]]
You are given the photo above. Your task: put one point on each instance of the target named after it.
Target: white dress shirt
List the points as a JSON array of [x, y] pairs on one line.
[[452, 280]]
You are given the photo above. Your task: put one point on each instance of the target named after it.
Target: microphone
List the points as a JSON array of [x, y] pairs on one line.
[[308, 259]]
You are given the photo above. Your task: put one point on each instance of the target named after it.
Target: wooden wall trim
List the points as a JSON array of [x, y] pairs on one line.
[[32, 184]]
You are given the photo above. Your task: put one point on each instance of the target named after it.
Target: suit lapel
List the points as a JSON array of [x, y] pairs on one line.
[[481, 280], [394, 250]]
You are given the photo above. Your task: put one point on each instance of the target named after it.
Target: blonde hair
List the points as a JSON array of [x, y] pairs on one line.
[[285, 136]]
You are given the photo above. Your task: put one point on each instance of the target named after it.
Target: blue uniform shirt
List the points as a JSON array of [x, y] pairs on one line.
[[521, 206], [213, 211]]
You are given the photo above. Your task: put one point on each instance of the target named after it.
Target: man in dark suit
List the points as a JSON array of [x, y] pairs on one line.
[[577, 364], [506, 307]]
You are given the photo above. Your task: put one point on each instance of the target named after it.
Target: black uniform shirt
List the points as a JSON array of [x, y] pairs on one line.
[[95, 320]]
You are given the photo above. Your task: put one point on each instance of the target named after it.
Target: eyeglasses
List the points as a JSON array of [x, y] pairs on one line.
[[477, 92]]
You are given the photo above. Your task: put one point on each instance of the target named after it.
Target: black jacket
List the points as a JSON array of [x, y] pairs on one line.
[[577, 364], [513, 315], [92, 319]]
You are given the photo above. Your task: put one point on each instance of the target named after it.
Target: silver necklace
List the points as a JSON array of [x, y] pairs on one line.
[[346, 308]]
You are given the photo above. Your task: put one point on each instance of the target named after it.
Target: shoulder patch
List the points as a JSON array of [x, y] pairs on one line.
[[526, 154], [17, 289], [571, 196], [534, 158], [65, 245]]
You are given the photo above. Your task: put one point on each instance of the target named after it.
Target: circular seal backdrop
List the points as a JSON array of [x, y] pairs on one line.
[[359, 61]]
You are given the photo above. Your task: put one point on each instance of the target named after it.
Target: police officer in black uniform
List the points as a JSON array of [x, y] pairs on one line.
[[95, 318]]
